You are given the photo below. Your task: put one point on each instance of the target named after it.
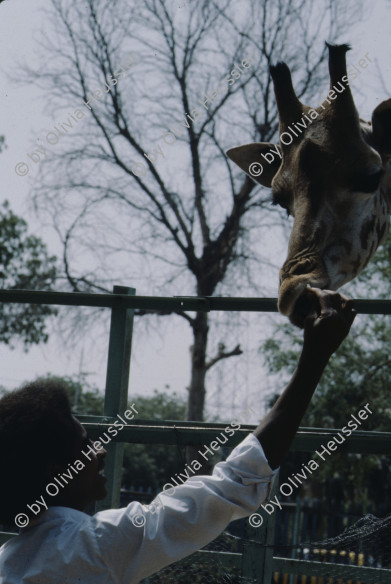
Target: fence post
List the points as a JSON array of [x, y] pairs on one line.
[[295, 534], [257, 557], [116, 392]]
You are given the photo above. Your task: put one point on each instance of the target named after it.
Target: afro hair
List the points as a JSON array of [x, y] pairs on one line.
[[36, 429]]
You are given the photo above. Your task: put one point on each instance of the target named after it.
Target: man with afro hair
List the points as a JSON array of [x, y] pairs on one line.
[[40, 440]]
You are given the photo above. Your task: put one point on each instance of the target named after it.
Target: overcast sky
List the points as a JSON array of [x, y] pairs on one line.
[[160, 357]]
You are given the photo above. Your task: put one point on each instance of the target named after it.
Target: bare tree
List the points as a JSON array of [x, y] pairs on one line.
[[147, 97]]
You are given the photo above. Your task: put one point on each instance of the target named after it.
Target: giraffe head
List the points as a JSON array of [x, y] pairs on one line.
[[332, 173]]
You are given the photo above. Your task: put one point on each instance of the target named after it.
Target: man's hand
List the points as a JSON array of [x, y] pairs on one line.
[[324, 332]]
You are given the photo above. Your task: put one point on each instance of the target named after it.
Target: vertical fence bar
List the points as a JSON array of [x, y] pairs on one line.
[[257, 557], [267, 573], [116, 392], [295, 534]]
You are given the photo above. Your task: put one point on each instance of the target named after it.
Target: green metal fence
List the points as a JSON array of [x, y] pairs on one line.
[[256, 563]]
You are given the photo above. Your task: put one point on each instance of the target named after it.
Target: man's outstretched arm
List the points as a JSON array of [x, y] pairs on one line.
[[322, 336]]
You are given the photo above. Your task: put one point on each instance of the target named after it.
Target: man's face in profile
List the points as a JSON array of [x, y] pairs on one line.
[[88, 485]]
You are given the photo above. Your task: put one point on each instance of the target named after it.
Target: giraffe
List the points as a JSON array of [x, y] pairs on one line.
[[334, 178]]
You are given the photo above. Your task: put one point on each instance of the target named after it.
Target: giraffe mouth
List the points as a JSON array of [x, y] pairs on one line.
[[306, 305], [296, 299]]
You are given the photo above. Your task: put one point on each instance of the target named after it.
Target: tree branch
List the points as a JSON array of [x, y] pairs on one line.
[[222, 354]]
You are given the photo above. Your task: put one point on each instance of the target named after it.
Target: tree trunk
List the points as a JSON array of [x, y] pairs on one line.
[[196, 398]]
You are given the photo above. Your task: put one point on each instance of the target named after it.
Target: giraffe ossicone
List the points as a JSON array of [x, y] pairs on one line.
[[334, 178]]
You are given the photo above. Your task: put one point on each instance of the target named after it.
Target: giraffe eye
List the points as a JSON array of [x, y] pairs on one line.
[[367, 181]]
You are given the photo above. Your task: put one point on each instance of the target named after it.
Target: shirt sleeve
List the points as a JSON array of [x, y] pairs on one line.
[[139, 540]]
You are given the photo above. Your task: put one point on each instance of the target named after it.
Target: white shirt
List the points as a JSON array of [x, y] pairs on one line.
[[69, 546]]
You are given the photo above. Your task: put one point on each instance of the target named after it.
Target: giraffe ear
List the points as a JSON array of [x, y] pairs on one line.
[[381, 127], [260, 160]]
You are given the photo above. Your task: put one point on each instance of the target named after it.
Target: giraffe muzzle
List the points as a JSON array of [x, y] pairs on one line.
[[295, 298]]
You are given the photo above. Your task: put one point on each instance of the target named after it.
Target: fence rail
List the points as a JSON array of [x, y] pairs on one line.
[[194, 433], [172, 304]]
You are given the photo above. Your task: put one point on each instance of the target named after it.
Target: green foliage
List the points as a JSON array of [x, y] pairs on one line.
[[358, 373], [152, 465], [162, 406], [24, 264]]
